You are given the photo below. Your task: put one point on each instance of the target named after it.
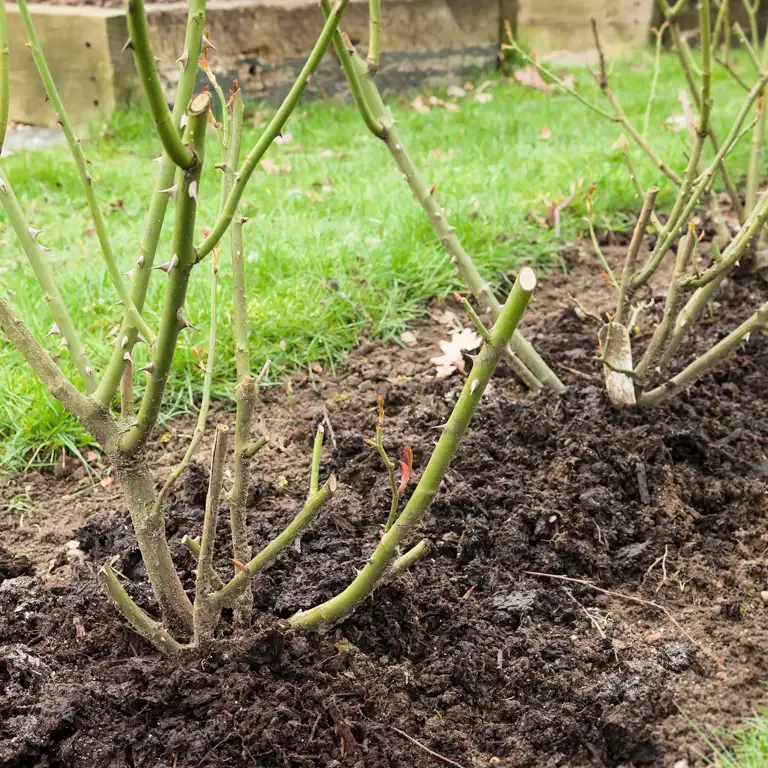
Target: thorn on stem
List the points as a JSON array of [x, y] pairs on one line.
[[183, 60], [54, 331], [127, 46], [35, 233], [172, 191]]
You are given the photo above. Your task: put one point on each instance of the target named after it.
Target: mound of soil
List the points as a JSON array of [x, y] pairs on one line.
[[470, 659]]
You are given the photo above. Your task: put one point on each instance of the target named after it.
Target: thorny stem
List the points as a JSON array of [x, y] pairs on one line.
[[523, 358], [622, 118], [133, 318], [636, 182], [374, 37], [87, 410], [126, 390], [205, 401], [153, 224], [206, 612], [193, 545], [178, 272], [247, 387], [272, 131], [389, 465], [410, 558], [169, 133], [622, 304], [346, 601], [317, 452], [5, 85], [688, 198], [758, 137], [269, 554], [735, 249], [599, 253], [62, 321], [146, 626], [688, 67], [654, 81], [723, 349], [656, 348]]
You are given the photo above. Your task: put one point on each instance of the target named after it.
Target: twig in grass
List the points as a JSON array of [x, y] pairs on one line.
[[622, 596], [427, 749]]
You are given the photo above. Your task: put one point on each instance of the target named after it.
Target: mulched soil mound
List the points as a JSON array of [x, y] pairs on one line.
[[468, 654]]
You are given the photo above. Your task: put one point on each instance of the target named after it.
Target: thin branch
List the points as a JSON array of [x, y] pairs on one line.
[[621, 117], [178, 271], [374, 37], [656, 67], [133, 318], [719, 352], [389, 465], [5, 85], [410, 558], [632, 253], [138, 30], [205, 401], [87, 410], [427, 749], [600, 255], [153, 223], [270, 553], [317, 451], [747, 46], [63, 324], [410, 519], [625, 149], [522, 356], [206, 611], [513, 46], [622, 596], [272, 131], [655, 350], [140, 621], [733, 73]]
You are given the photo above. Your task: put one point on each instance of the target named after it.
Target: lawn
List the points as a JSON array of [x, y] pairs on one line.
[[336, 249]]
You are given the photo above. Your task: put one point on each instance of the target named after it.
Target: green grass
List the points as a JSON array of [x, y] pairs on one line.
[[746, 747], [336, 248]]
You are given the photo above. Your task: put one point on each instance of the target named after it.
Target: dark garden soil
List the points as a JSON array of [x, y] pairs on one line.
[[468, 654]]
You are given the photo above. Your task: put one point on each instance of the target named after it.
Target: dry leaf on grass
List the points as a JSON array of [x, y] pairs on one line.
[[546, 134], [483, 98], [452, 358], [270, 166], [456, 91], [530, 76]]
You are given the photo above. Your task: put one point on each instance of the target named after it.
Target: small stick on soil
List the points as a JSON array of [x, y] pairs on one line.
[[327, 420], [427, 749], [642, 483], [592, 620], [632, 599]]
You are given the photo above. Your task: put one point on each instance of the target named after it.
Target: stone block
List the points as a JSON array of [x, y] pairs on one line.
[[82, 46], [557, 26]]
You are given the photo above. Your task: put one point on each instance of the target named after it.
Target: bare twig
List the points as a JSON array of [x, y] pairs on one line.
[[427, 749]]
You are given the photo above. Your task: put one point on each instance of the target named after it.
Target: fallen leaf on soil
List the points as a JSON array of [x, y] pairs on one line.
[[409, 338], [316, 367], [448, 318], [452, 358], [107, 481], [456, 91]]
